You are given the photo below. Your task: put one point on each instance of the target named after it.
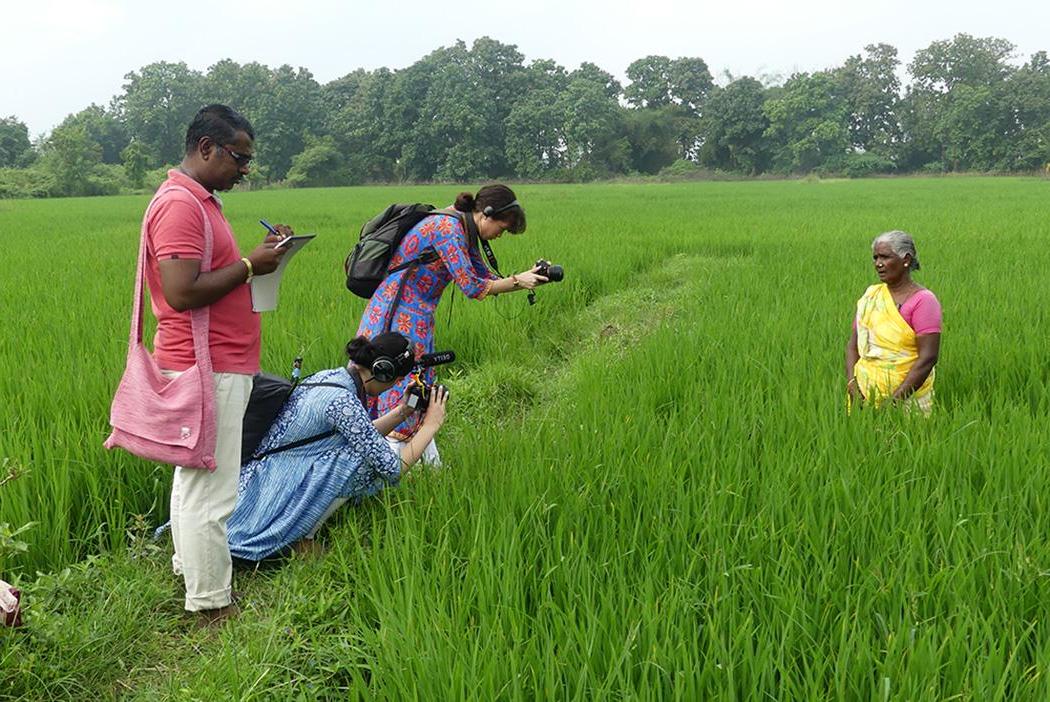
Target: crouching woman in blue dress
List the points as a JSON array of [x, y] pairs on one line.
[[284, 497]]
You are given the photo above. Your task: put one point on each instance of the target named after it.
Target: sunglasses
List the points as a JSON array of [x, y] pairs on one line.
[[241, 160]]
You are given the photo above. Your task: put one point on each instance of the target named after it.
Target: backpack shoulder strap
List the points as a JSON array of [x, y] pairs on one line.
[[309, 439]]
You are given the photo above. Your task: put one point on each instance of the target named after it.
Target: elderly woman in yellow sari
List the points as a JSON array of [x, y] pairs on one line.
[[896, 337]]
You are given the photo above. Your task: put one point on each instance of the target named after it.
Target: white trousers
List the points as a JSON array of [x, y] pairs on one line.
[[430, 458], [202, 501]]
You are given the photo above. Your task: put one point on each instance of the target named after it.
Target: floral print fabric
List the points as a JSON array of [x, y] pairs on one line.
[[414, 317], [281, 497]]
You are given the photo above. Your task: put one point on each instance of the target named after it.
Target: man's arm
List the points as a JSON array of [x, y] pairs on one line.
[[186, 288]]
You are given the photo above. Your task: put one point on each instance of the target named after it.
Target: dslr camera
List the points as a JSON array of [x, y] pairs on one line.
[[551, 271], [418, 394]]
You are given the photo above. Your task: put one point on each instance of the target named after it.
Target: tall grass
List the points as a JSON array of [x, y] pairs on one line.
[[652, 488]]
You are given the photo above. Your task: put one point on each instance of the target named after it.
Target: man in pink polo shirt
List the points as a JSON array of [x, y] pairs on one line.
[[219, 148]]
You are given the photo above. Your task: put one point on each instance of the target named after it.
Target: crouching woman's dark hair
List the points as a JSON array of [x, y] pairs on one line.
[[365, 352]]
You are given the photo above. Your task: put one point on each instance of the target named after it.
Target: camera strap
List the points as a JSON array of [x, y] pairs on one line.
[[474, 239]]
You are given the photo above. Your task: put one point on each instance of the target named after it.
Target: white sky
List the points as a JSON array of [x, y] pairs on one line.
[[61, 55]]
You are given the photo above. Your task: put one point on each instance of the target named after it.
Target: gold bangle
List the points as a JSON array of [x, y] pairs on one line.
[[515, 282], [251, 273]]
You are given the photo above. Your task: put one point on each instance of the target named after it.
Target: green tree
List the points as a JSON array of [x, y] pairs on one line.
[[871, 89], [70, 156], [104, 128], [809, 122], [678, 88], [1027, 99], [283, 125], [246, 88], [955, 112], [359, 128], [650, 84], [157, 104], [15, 148], [734, 128], [320, 164], [961, 60], [534, 129], [459, 131], [975, 126], [136, 162], [652, 138], [594, 129], [467, 97], [543, 74], [593, 74], [690, 82], [535, 142], [417, 155], [339, 93], [657, 81]]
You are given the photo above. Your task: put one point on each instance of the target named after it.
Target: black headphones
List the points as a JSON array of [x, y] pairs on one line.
[[385, 369], [490, 211]]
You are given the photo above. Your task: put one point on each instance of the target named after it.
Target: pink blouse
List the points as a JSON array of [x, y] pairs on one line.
[[922, 312]]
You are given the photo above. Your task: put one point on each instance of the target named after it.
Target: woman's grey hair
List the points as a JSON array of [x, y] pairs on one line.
[[901, 243]]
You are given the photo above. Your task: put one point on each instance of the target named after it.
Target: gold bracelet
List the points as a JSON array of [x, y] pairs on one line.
[[251, 274], [514, 280]]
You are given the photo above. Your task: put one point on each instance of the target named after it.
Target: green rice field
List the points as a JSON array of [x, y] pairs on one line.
[[651, 491]]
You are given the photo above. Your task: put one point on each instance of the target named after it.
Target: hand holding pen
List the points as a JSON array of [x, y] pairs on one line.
[[283, 232], [267, 255]]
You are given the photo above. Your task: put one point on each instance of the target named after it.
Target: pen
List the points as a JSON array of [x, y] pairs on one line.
[[269, 227]]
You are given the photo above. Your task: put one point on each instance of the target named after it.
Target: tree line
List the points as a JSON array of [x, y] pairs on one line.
[[480, 112]]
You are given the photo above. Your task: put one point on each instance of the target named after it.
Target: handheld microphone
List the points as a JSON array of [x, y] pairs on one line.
[[437, 358]]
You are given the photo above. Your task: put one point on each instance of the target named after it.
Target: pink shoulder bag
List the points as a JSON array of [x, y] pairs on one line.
[[167, 420]]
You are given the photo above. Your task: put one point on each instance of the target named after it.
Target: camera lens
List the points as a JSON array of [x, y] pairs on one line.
[[555, 274]]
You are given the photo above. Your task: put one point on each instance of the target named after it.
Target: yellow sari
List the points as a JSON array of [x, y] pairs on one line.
[[888, 350]]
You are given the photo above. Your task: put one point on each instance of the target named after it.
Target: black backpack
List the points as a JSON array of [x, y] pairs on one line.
[[369, 263], [269, 393]]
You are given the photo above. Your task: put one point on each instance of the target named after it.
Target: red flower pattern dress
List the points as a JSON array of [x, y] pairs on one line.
[[414, 316]]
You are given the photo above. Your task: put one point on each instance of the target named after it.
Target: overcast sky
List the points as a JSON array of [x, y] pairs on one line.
[[59, 56]]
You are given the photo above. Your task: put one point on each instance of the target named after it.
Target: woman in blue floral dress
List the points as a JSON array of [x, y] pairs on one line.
[[285, 496], [454, 236]]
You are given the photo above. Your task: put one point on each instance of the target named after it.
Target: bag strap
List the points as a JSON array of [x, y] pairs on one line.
[[429, 255], [199, 317], [294, 444], [308, 440]]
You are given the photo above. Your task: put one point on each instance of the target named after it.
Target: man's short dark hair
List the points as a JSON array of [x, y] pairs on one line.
[[219, 122]]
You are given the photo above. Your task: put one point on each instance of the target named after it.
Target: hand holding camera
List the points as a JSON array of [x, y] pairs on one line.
[[543, 272], [435, 408], [419, 396]]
